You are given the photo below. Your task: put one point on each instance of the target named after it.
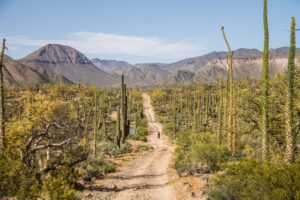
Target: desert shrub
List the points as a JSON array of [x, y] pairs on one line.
[[17, 180], [112, 150], [139, 136], [59, 184], [125, 148], [184, 163], [197, 153], [96, 168], [109, 149], [250, 180], [210, 155], [144, 147]]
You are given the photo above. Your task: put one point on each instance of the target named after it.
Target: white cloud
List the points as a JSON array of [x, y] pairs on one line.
[[105, 43]]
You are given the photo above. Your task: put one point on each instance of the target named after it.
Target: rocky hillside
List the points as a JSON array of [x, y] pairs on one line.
[[54, 63], [16, 73], [112, 66], [70, 63], [247, 64]]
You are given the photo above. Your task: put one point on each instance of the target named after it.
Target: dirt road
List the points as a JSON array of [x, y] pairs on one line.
[[146, 177]]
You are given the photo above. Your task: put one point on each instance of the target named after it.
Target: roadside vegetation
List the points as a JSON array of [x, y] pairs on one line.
[[243, 133], [57, 138]]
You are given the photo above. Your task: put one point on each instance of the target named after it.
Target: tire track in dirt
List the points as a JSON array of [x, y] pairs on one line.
[[146, 177]]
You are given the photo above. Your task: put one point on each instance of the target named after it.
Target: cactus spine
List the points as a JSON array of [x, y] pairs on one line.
[[265, 88], [290, 134], [2, 103]]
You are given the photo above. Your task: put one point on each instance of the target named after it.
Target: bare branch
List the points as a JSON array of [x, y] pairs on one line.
[[45, 146], [54, 165]]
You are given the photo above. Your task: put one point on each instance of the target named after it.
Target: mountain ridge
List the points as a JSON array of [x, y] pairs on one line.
[[70, 63], [71, 66]]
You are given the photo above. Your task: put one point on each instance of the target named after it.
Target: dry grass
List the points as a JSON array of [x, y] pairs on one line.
[[191, 187]]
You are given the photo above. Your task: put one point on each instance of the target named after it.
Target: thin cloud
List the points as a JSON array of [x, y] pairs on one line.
[[105, 43]]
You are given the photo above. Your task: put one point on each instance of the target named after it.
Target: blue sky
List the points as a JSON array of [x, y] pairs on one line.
[[143, 30]]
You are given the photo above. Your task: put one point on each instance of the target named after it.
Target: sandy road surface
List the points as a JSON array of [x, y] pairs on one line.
[[146, 177]]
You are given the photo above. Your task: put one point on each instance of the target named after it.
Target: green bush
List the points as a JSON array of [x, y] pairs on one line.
[[96, 168], [169, 130], [17, 180], [184, 164], [109, 149], [112, 150], [210, 155], [58, 185], [20, 181], [144, 147], [197, 153], [251, 180], [139, 136], [125, 148]]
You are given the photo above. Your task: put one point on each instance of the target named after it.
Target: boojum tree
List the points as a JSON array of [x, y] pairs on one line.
[[230, 127], [290, 132], [2, 103], [265, 88]]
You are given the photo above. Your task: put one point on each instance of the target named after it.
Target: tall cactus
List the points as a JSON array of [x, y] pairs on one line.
[[194, 115], [290, 134], [265, 88], [2, 103], [206, 107], [98, 115], [230, 126], [104, 126], [220, 116], [201, 104], [95, 127], [123, 109], [118, 129]]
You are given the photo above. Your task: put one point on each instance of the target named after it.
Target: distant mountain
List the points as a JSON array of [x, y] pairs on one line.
[[57, 63], [208, 67], [144, 74], [192, 64], [16, 73], [181, 77], [139, 74], [153, 73], [111, 65], [70, 63], [246, 64], [195, 63]]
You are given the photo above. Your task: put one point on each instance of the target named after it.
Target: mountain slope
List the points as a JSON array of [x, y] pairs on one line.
[[57, 62], [70, 63], [16, 73], [135, 75], [245, 65], [112, 66]]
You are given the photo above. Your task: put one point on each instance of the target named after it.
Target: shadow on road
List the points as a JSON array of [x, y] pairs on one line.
[[124, 177], [135, 187]]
